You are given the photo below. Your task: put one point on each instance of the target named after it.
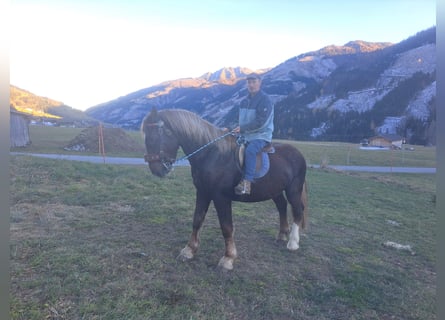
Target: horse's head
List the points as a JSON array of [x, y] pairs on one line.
[[161, 144]]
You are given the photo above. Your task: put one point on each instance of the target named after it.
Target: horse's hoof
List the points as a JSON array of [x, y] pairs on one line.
[[282, 237], [185, 254], [226, 263], [293, 245]]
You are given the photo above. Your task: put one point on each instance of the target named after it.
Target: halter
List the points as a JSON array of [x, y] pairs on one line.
[[172, 161], [160, 157]]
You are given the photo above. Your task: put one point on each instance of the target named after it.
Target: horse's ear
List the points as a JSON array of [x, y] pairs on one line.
[[151, 117], [154, 115], [154, 112]]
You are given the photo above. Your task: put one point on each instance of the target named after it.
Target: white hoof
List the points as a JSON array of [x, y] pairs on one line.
[[186, 254], [294, 238], [293, 245], [226, 263]]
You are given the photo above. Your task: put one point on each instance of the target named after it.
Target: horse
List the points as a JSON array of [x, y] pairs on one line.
[[215, 172]]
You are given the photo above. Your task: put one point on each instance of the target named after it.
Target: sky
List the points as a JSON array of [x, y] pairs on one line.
[[87, 52]]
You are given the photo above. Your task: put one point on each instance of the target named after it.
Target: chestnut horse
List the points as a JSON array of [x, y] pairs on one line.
[[215, 173]]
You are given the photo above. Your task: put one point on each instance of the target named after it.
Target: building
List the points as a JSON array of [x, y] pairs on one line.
[[386, 141], [18, 128]]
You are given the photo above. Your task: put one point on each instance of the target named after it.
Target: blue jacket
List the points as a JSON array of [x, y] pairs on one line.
[[256, 117]]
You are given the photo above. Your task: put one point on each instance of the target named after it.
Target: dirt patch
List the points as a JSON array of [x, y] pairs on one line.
[[37, 221], [114, 140]]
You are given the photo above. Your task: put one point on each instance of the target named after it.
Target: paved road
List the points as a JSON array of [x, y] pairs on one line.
[[93, 159], [140, 161]]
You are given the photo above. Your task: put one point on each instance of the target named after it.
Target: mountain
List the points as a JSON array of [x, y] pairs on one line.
[[43, 108], [228, 75], [193, 94], [342, 93]]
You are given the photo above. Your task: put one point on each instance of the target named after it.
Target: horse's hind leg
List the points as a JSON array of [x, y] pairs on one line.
[[281, 204], [296, 196], [201, 208]]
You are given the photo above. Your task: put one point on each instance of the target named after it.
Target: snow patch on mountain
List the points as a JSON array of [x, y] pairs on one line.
[[390, 125], [226, 75], [315, 132], [421, 59], [317, 67], [359, 101], [418, 108], [322, 102]]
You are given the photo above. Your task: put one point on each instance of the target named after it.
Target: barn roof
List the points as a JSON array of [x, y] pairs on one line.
[[388, 137], [15, 111]]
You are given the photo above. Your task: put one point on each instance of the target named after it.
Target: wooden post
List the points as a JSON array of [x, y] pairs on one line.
[[392, 156], [101, 141]]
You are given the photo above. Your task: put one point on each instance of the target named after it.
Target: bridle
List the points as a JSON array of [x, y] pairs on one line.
[[161, 157]]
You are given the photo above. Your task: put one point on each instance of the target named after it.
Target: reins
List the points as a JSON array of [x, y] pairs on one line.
[[204, 146]]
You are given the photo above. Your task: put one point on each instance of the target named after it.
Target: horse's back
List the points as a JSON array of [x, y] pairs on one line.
[[289, 160], [289, 152]]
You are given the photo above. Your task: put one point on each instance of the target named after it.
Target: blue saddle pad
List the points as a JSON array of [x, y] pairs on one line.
[[262, 166]]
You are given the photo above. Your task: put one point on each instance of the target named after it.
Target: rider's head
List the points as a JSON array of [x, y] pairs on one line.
[[253, 83]]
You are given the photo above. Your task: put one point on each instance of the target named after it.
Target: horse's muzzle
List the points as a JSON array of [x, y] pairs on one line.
[[159, 166]]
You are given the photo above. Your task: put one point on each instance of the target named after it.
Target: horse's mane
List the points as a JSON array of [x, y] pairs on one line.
[[192, 126]]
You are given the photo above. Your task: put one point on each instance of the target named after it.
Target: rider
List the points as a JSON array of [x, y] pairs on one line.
[[256, 113]]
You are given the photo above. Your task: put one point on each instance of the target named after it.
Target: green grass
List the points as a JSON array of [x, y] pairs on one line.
[[98, 241], [339, 153], [45, 139], [53, 139]]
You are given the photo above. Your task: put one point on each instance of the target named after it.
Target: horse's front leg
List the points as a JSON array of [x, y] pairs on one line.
[[223, 207], [201, 208]]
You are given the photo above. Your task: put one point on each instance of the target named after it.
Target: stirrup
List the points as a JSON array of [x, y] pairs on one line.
[[243, 187]]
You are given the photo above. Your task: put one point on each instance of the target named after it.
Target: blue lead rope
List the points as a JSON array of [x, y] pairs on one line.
[[203, 147]]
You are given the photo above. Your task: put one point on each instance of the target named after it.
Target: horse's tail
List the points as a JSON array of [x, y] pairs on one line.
[[304, 202]]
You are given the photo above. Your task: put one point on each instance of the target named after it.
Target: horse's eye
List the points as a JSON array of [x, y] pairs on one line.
[[149, 140], [168, 132]]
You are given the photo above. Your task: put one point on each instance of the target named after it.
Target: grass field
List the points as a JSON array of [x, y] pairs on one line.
[[98, 241], [53, 139]]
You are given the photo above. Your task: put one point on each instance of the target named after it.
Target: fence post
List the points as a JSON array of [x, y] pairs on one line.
[[101, 141]]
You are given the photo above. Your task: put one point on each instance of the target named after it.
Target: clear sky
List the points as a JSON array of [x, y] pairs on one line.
[[85, 52]]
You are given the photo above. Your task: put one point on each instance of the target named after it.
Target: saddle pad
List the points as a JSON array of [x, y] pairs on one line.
[[262, 160]]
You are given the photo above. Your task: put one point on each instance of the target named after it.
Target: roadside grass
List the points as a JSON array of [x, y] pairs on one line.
[[99, 241], [45, 139], [340, 153], [53, 139]]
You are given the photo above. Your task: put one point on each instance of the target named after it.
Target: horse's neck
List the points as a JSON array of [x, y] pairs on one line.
[[189, 146], [191, 143]]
